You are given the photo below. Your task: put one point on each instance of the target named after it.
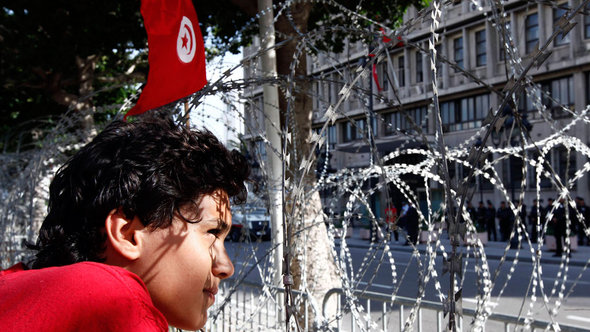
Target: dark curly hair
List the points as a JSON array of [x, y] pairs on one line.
[[149, 168]]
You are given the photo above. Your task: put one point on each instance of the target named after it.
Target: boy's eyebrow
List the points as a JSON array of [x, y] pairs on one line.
[[221, 224]]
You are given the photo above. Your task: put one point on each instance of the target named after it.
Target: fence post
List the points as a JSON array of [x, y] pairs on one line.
[[401, 317], [384, 316], [419, 319]]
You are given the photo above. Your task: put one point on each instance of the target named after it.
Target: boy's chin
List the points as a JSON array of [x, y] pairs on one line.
[[193, 325]]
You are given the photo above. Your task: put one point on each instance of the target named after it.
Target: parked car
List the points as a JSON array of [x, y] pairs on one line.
[[250, 222]]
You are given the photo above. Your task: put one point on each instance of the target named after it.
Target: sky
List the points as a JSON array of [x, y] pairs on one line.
[[213, 113]]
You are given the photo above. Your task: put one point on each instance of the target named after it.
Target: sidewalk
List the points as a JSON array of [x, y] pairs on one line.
[[494, 250]]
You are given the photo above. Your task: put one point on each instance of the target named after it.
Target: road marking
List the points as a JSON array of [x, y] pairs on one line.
[[569, 281], [472, 300], [581, 319], [390, 287]]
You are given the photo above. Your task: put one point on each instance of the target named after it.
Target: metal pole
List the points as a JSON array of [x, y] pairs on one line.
[[272, 124]]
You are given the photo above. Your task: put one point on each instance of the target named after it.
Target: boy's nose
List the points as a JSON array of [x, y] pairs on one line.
[[222, 265]]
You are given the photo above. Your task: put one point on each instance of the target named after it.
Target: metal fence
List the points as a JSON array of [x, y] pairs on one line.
[[255, 307]]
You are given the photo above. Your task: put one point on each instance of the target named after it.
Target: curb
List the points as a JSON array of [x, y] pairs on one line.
[[544, 260]]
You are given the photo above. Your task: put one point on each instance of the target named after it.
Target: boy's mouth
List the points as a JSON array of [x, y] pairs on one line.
[[211, 292]]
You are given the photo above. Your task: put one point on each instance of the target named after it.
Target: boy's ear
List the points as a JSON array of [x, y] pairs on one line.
[[123, 234]]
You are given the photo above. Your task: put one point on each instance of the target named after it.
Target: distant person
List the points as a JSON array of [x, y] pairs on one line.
[[522, 213], [491, 221], [559, 227], [582, 224], [546, 220], [472, 211], [480, 218], [506, 220], [549, 206], [409, 219], [534, 220], [391, 219], [574, 220]]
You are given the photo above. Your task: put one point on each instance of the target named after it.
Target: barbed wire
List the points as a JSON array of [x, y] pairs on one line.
[[25, 173]]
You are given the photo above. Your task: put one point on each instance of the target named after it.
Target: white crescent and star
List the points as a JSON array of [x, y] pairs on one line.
[[185, 42]]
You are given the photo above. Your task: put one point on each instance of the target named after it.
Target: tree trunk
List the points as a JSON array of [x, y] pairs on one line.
[[313, 267], [82, 102]]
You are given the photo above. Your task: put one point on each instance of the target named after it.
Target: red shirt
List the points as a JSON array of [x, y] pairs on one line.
[[85, 296]]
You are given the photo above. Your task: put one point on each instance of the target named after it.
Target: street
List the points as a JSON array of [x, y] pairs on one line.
[[511, 295]]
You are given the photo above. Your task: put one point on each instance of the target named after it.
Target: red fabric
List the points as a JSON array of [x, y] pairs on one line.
[[385, 38], [80, 297], [176, 53], [376, 79], [390, 214]]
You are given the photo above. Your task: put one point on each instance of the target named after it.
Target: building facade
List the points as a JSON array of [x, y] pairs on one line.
[[401, 100]]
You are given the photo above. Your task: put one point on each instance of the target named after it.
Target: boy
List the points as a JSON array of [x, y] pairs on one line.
[[134, 237]]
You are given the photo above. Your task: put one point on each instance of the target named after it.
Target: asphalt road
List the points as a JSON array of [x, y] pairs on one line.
[[373, 271]]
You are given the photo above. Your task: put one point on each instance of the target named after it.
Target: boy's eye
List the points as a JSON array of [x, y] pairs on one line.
[[214, 231]]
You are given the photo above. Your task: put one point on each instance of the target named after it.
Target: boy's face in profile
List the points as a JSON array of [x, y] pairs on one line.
[[183, 264]]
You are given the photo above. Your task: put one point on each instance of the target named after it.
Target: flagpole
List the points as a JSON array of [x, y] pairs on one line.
[[187, 115]]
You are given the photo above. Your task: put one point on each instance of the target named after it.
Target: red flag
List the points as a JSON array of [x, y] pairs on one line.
[[375, 77], [176, 53], [385, 38]]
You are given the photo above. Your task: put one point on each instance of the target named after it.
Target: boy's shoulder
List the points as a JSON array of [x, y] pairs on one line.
[[89, 296]]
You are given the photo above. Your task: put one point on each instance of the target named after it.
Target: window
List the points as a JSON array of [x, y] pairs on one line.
[[260, 150], [323, 91], [401, 71], [354, 130], [439, 62], [332, 137], [587, 23], [560, 39], [458, 51], [464, 113], [338, 85], [545, 181], [354, 100], [526, 103], [463, 172], [316, 98], [398, 121], [512, 172], [382, 75], [531, 32], [328, 88], [563, 162], [485, 184], [419, 69], [374, 127], [557, 94], [480, 48], [531, 170], [566, 163], [254, 118]]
